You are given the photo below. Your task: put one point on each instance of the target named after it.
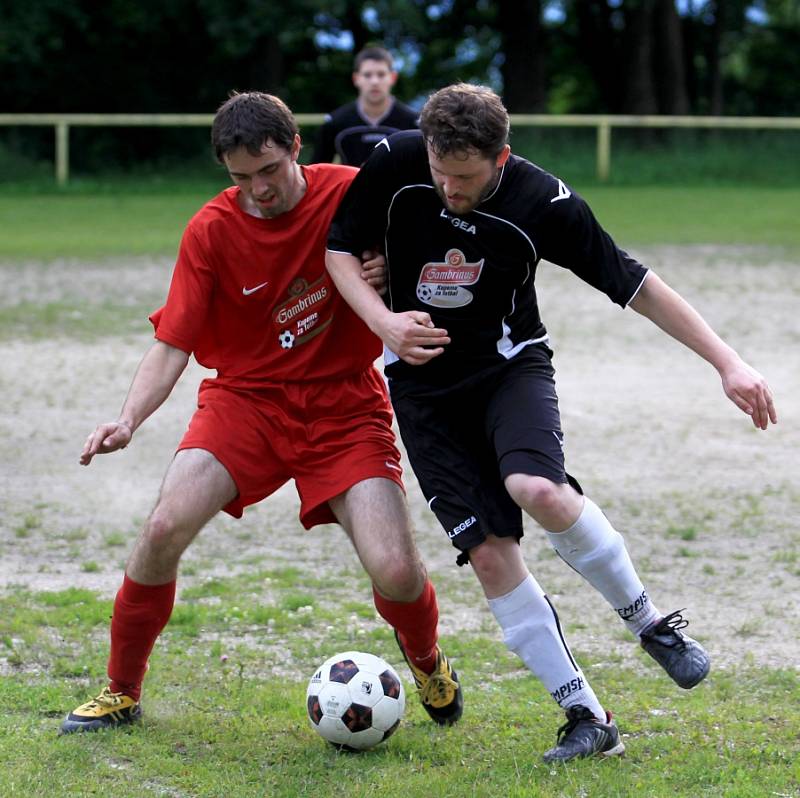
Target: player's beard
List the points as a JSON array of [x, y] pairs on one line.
[[487, 190]]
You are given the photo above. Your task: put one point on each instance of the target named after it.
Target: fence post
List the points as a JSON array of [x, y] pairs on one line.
[[62, 153], [603, 150]]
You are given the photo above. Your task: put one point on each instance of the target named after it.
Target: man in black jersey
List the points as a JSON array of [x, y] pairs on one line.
[[353, 130], [465, 224]]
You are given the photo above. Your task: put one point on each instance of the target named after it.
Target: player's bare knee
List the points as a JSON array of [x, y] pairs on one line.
[[536, 495], [488, 563], [400, 579], [163, 536]]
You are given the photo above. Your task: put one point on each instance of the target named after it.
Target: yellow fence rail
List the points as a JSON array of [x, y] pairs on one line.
[[601, 122]]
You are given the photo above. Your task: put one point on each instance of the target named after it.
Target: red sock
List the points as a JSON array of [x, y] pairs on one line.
[[140, 613], [416, 624]]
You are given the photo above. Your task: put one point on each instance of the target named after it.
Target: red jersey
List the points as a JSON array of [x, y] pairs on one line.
[[251, 298]]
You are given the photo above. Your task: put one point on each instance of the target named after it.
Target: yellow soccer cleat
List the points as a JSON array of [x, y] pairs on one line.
[[106, 711], [440, 691]]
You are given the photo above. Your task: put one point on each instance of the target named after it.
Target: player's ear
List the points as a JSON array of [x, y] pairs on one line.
[[503, 156], [296, 144], [393, 78]]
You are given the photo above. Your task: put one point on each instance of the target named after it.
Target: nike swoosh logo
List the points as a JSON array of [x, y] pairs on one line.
[[248, 291]]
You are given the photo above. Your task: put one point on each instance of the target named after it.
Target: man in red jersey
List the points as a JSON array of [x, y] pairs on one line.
[[296, 396]]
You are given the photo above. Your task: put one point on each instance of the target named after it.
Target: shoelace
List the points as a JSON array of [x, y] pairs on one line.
[[574, 716], [672, 623], [437, 686], [107, 699]]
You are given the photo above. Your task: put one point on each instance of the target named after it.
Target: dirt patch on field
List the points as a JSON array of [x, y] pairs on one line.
[[708, 505]]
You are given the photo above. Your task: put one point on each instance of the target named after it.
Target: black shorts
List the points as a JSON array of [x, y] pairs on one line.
[[465, 439]]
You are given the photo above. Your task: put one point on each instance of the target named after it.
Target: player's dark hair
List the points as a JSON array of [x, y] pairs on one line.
[[464, 118], [372, 53], [248, 120]]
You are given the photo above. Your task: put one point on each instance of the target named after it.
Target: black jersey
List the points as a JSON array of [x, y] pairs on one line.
[[352, 137], [474, 273]]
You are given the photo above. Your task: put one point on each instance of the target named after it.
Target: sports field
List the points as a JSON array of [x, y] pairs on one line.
[[709, 507]]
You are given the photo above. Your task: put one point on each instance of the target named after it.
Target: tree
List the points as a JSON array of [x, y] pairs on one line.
[[668, 62], [519, 23], [640, 97], [637, 56]]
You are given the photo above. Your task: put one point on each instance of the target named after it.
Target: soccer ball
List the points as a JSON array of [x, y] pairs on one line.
[[355, 700], [286, 339], [424, 292]]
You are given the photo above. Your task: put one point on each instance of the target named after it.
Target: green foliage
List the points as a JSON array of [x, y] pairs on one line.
[[723, 61], [767, 71]]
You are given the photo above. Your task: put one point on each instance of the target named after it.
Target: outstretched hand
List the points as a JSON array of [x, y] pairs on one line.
[[106, 438], [749, 391], [413, 337]]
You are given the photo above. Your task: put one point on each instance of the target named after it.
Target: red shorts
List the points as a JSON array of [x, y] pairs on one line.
[[326, 435]]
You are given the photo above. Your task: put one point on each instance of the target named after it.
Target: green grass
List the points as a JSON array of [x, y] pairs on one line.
[[698, 214], [78, 225], [75, 225], [667, 157], [224, 699], [224, 717], [72, 317]]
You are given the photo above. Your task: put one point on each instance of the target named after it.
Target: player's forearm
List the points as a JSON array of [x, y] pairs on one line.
[[345, 270], [153, 382], [673, 314]]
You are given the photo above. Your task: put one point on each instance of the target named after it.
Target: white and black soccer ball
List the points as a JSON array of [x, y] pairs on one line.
[[424, 292], [355, 700], [286, 339]]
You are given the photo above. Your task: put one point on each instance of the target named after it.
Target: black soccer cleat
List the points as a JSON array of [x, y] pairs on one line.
[[107, 711], [584, 735], [683, 658], [440, 691]]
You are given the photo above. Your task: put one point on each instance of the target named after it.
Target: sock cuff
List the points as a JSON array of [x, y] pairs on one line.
[[425, 600], [590, 526], [136, 592], [415, 622], [519, 602]]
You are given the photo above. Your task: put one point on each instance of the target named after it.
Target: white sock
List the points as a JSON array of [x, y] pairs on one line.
[[597, 552], [531, 630]]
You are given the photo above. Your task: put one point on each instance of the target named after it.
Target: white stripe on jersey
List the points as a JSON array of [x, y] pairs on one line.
[[518, 229], [638, 288], [505, 347], [508, 350]]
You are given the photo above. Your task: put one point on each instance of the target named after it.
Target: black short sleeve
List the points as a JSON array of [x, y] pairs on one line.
[[569, 236], [362, 218]]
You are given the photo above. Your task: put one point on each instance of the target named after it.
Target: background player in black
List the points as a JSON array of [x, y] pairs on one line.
[[465, 223], [353, 130]]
